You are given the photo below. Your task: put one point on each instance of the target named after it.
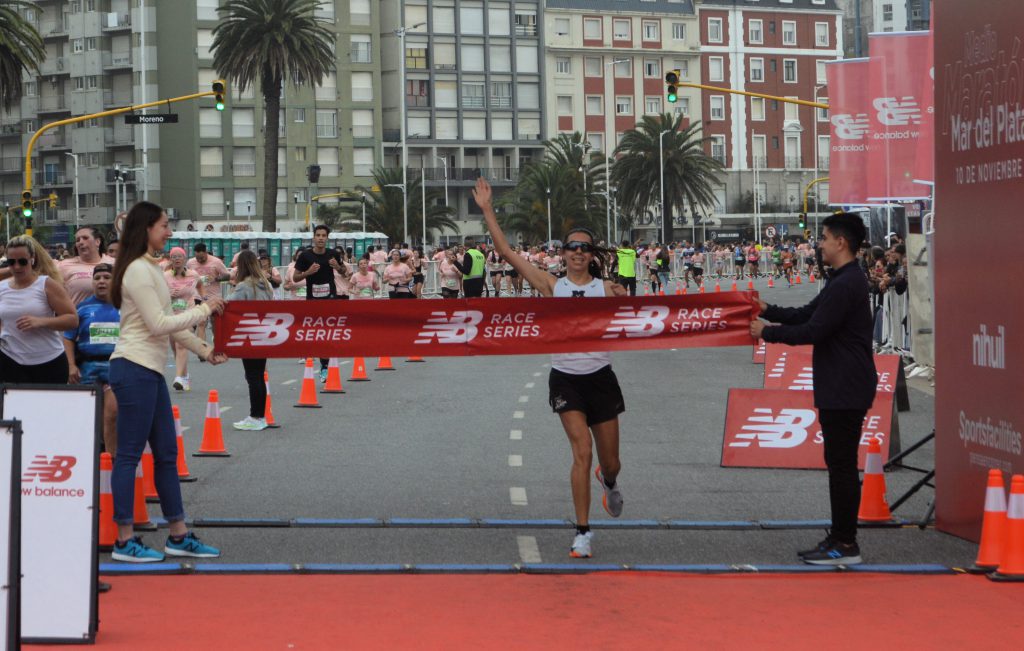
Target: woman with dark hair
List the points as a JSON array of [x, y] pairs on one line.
[[77, 271], [584, 391], [398, 276], [416, 264], [144, 415], [252, 284]]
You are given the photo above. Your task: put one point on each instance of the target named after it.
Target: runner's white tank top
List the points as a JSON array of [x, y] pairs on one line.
[[579, 363], [27, 347]]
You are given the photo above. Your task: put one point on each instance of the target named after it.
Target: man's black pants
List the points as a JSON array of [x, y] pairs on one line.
[[841, 430], [629, 283]]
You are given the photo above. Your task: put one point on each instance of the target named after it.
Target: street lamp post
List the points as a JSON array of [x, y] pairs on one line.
[[364, 212], [816, 162], [661, 165], [444, 165], [609, 136], [248, 214], [400, 33], [549, 216], [423, 199], [74, 157]]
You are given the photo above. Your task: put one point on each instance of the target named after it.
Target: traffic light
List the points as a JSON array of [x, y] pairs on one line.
[[314, 173], [26, 203], [801, 221], [218, 89], [671, 80], [53, 199]]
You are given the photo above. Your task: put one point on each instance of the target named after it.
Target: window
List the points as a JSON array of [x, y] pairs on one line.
[[528, 95], [564, 104], [757, 109], [526, 58], [209, 123], [716, 67], [328, 88], [821, 113], [447, 128], [444, 56], [714, 30], [300, 154], [362, 161], [683, 106], [528, 129], [793, 152], [789, 32], [596, 141], [362, 123], [683, 66], [592, 28], [473, 58], [561, 26], [652, 68], [501, 128], [592, 66], [419, 125], [360, 48], [652, 105], [755, 31], [819, 71], [526, 22], [299, 114], [718, 148], [325, 10], [415, 57], [623, 105], [624, 69], [243, 161], [211, 161], [652, 30], [595, 105], [444, 20], [756, 69], [621, 29], [887, 13], [243, 123], [417, 92], [678, 31], [498, 23], [31, 89], [326, 123], [473, 94], [501, 95], [789, 71], [78, 45], [824, 151], [563, 65], [90, 44], [821, 34], [362, 86], [792, 111], [359, 10], [204, 43], [717, 107], [213, 203], [445, 94], [471, 18], [759, 151], [327, 159]]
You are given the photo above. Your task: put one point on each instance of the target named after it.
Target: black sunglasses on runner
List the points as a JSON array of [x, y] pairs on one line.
[[583, 247], [24, 262]]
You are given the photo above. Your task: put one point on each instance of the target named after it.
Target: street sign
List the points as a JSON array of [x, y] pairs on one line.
[[150, 118], [770, 231]]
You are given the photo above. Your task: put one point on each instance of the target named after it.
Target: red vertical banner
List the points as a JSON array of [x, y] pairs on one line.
[[849, 108], [979, 186], [900, 118], [924, 169]]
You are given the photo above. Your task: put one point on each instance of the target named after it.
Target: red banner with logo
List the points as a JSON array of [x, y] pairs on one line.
[[483, 326], [778, 428], [789, 367], [901, 116], [849, 110], [758, 354]]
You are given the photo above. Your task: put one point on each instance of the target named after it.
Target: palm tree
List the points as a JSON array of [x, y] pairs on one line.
[[21, 50], [690, 174], [384, 206], [526, 207], [269, 42], [573, 152]]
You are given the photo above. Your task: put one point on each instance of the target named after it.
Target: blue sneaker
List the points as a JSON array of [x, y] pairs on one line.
[[190, 546], [134, 551]]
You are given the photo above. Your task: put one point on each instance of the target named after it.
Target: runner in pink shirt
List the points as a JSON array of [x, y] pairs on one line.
[[212, 272], [450, 276], [293, 289], [77, 271], [186, 291], [398, 277], [378, 256], [364, 282]]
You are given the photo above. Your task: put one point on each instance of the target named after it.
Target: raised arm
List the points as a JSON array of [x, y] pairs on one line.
[[540, 280]]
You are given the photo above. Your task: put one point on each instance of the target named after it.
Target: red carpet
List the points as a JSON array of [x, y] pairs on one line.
[[614, 610]]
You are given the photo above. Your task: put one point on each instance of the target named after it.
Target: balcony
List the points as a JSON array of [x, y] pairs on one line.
[[436, 175], [53, 104], [446, 66], [119, 137], [53, 141], [117, 23], [11, 164], [326, 131], [49, 179], [501, 102], [11, 128], [117, 61], [526, 30], [54, 66], [472, 101], [211, 171], [528, 136], [112, 99], [794, 162], [244, 169], [53, 29]]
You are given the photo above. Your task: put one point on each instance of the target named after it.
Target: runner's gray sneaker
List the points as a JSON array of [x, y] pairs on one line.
[[612, 499]]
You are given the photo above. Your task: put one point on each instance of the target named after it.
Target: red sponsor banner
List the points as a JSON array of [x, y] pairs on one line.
[[483, 326], [776, 359], [759, 349], [778, 428], [901, 118], [790, 368], [924, 168], [850, 110]]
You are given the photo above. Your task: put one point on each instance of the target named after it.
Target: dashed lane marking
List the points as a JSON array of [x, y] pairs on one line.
[[524, 398], [529, 552], [530, 385], [537, 374], [519, 414], [518, 495], [223, 409], [516, 435], [287, 382], [515, 460]]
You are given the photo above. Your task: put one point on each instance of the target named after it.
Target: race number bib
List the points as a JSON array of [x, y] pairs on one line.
[[300, 292], [321, 291], [104, 333], [366, 291], [451, 283], [179, 305]]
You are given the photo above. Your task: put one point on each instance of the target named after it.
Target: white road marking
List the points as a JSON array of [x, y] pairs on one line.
[[342, 363], [516, 435], [518, 495], [515, 460], [528, 550], [545, 365], [223, 409], [524, 398], [530, 385], [537, 374], [287, 382], [518, 414], [185, 428]]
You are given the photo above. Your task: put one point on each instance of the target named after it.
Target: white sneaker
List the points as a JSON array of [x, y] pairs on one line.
[[178, 384], [612, 499], [186, 383], [251, 424], [581, 545]]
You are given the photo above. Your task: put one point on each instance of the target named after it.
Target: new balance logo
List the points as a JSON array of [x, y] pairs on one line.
[[779, 367], [271, 330], [897, 112], [459, 328], [50, 470], [787, 430], [804, 381], [850, 127], [647, 321]]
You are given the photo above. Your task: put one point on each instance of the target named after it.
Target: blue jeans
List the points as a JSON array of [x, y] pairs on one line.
[[143, 414]]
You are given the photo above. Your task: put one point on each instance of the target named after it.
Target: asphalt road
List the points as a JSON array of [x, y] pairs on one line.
[[475, 439]]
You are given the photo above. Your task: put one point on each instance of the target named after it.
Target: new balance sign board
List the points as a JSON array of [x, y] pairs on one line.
[[778, 428], [10, 532], [759, 351], [789, 367], [59, 501]]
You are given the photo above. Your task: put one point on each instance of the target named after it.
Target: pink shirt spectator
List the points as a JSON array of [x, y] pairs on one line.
[[378, 257], [184, 289], [209, 272], [78, 276], [449, 275], [364, 285], [399, 274]]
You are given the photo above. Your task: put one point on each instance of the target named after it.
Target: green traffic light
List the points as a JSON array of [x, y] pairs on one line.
[[672, 97], [27, 212], [220, 105]]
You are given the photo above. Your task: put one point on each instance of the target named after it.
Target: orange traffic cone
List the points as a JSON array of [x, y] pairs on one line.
[[415, 359], [148, 485], [798, 281], [679, 291], [141, 515], [213, 435], [993, 526], [686, 290], [333, 384], [384, 364], [359, 371], [771, 282], [733, 288], [718, 286], [701, 290], [268, 412], [183, 474], [647, 291], [307, 396], [661, 292], [812, 279], [873, 507], [108, 530], [1011, 559], [750, 285]]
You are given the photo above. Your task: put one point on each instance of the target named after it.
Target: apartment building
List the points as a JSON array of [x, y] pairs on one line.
[[474, 94], [771, 149]]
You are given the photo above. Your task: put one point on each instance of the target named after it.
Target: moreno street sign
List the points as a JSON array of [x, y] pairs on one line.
[[151, 118]]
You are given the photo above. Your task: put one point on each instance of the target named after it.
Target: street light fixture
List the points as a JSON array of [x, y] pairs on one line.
[[608, 137], [444, 165], [816, 162], [661, 165], [549, 216], [74, 157], [400, 33]]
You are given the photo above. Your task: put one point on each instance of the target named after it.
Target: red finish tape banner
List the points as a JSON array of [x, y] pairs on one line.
[[483, 326]]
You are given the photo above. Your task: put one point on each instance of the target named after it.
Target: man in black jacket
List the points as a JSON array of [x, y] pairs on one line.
[[838, 324]]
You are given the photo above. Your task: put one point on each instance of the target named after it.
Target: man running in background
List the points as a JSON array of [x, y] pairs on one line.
[[626, 255], [211, 272], [316, 266]]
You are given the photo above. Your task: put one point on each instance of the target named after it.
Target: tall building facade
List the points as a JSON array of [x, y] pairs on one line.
[[474, 94], [771, 149]]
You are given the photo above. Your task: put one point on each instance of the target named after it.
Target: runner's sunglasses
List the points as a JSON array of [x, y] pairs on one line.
[[582, 247]]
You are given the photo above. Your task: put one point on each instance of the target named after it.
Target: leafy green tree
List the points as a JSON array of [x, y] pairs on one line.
[[21, 50], [384, 207]]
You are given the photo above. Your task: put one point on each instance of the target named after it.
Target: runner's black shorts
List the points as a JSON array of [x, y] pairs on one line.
[[596, 394]]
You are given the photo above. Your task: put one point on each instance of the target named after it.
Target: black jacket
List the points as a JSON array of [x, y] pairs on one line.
[[838, 324]]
